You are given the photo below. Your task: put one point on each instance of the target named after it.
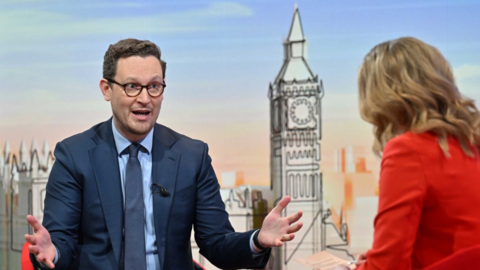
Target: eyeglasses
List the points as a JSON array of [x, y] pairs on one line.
[[154, 89]]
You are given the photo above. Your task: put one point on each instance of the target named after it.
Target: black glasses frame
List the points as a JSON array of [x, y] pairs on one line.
[[124, 86]]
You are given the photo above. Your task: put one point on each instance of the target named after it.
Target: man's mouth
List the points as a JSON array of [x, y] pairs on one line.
[[141, 112]]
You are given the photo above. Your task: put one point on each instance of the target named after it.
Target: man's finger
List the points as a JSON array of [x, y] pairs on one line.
[[49, 263], [295, 217], [33, 249], [34, 222], [281, 205], [295, 227], [288, 237], [31, 239]]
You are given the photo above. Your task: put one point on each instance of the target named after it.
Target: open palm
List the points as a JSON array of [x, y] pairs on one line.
[[40, 243], [277, 229]]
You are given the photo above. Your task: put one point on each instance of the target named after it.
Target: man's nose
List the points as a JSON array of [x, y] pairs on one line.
[[144, 97]]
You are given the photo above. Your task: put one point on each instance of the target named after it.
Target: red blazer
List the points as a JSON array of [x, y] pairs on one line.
[[429, 204]]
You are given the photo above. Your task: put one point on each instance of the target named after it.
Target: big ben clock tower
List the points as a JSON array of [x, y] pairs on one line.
[[295, 113]]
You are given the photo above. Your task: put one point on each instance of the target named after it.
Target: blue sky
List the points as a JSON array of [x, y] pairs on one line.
[[221, 57], [225, 42]]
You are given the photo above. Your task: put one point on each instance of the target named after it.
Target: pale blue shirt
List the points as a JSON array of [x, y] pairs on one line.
[[145, 159]]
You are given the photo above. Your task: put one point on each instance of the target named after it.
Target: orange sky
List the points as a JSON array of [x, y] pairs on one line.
[[234, 146]]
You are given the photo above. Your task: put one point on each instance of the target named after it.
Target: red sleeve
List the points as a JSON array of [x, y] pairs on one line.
[[402, 191]]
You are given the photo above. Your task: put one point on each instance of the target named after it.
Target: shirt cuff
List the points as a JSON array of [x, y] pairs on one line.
[[56, 255], [251, 245]]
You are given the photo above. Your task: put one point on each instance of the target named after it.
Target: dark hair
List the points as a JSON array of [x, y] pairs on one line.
[[126, 48]]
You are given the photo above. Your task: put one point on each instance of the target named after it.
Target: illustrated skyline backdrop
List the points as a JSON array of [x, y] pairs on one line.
[[221, 57]]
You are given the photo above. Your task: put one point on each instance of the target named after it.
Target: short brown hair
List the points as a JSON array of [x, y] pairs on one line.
[[126, 48], [407, 85]]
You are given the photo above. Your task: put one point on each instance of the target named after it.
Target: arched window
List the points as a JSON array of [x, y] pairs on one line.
[[290, 182]]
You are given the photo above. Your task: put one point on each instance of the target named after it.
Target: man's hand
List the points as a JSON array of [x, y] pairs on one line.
[[40, 243], [277, 229]]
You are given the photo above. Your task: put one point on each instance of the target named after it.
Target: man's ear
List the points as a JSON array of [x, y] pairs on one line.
[[106, 89]]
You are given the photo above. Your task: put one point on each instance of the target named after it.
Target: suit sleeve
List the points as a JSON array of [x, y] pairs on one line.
[[63, 204], [213, 232], [402, 192]]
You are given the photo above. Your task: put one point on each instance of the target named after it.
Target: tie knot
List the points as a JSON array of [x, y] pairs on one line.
[[133, 149]]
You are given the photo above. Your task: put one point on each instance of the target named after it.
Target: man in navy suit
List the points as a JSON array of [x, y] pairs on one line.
[[88, 219]]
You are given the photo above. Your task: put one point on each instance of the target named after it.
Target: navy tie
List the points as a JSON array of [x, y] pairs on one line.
[[135, 257]]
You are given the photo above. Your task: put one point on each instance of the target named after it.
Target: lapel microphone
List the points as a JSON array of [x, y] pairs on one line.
[[157, 188]]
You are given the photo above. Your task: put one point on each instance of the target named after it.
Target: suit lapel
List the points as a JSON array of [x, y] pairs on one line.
[[164, 172], [104, 160]]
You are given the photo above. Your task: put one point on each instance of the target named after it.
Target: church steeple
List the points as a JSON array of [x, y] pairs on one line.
[[296, 29], [295, 66]]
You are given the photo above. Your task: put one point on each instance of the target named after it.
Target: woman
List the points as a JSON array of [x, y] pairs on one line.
[[428, 136]]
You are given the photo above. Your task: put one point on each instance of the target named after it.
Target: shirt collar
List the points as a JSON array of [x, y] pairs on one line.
[[121, 142]]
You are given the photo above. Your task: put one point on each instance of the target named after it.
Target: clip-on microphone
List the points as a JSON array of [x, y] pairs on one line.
[[157, 188]]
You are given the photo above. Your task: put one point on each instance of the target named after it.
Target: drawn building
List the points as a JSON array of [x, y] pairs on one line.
[[23, 178], [295, 128], [352, 189]]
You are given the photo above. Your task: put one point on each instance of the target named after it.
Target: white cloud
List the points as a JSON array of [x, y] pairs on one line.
[[227, 9], [90, 5], [468, 81], [12, 2], [23, 25], [467, 72]]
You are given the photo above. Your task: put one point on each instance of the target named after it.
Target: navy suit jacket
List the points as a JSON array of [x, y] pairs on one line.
[[84, 204]]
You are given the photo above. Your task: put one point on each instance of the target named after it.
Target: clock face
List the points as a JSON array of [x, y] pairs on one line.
[[301, 111]]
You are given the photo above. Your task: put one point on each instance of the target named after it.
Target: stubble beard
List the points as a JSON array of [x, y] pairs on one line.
[[133, 127], [139, 128]]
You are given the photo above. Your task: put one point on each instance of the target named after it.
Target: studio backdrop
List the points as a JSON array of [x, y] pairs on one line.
[[270, 85]]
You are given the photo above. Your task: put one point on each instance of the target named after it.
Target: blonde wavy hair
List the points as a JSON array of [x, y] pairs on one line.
[[407, 85]]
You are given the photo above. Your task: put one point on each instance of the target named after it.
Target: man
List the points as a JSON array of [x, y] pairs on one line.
[[125, 193]]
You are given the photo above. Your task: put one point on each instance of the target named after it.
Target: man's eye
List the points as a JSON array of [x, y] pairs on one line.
[[132, 86], [154, 85]]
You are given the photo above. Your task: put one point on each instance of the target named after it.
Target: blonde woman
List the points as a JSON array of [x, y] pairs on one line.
[[428, 136]]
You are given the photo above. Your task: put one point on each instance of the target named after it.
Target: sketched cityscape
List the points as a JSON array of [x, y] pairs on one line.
[[338, 206]]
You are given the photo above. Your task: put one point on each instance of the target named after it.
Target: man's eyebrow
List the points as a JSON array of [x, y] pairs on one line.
[[158, 77], [135, 79]]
